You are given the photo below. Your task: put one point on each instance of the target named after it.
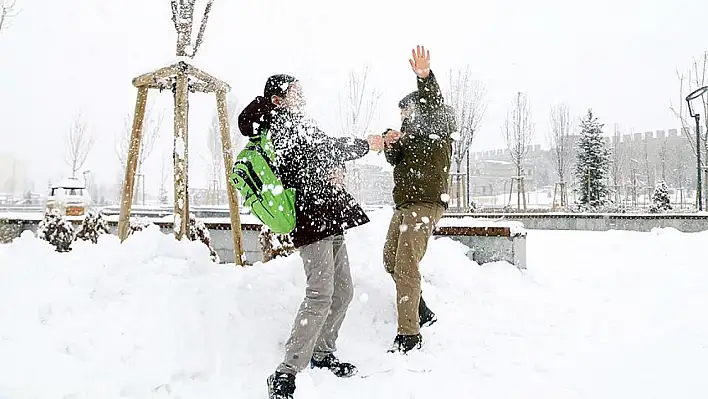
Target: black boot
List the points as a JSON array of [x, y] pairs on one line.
[[281, 386], [426, 316], [405, 343], [338, 368]]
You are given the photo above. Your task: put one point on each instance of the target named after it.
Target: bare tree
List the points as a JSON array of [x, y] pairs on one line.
[[560, 137], [695, 77], [78, 145], [151, 128], [619, 159], [359, 104], [467, 97], [217, 177], [663, 158], [164, 175], [7, 13], [518, 132]]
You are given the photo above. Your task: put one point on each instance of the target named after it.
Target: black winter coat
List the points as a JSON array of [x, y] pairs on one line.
[[421, 157], [307, 159]]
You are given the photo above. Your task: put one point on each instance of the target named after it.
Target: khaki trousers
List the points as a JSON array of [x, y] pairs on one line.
[[406, 243]]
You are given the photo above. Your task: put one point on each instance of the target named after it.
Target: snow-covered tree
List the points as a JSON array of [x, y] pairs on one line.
[[592, 165], [93, 226], [138, 224], [661, 201], [274, 245], [56, 230], [199, 232]]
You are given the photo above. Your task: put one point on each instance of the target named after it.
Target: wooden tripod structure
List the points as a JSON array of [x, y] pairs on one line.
[[181, 79]]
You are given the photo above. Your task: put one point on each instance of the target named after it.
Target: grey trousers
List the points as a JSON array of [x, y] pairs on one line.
[[327, 296]]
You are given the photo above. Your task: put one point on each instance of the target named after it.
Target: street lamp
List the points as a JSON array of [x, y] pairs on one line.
[[697, 93]]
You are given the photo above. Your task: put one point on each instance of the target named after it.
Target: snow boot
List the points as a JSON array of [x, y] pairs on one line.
[[426, 316], [337, 367], [405, 343], [281, 386]]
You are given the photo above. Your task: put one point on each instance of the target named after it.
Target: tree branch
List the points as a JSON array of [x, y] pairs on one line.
[[359, 108], [7, 13], [202, 28], [467, 98], [79, 144]]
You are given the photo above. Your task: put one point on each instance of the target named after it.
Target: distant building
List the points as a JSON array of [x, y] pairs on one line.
[[638, 162], [13, 175]]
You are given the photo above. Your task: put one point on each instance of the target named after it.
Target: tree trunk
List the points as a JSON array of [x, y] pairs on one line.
[[181, 205], [458, 179], [518, 187]]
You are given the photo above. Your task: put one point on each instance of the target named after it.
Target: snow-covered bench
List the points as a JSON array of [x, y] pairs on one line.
[[489, 240]]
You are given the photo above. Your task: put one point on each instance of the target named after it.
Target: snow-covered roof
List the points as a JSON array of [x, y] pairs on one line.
[[71, 182]]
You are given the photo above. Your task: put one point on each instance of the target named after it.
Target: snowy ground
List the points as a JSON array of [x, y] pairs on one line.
[[597, 315]]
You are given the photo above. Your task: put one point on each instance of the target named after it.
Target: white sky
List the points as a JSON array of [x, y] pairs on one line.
[[61, 57]]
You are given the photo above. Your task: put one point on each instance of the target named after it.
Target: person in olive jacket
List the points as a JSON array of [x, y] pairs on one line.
[[421, 154], [310, 161]]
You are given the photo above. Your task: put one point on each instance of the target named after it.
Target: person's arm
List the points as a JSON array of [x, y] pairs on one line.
[[349, 148], [431, 101], [431, 98], [392, 148]]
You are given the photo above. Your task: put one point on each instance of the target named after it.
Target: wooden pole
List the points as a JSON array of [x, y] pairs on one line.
[[181, 207], [228, 163], [132, 164]]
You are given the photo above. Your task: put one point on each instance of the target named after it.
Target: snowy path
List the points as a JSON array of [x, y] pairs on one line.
[[597, 315]]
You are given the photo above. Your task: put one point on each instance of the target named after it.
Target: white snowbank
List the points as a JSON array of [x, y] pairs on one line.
[[597, 315]]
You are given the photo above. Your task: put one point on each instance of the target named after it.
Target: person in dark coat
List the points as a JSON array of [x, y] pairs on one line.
[[421, 155], [311, 162]]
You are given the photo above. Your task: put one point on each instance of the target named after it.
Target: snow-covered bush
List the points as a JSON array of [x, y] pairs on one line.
[[274, 245], [199, 232], [661, 201], [93, 226], [138, 224], [56, 230]]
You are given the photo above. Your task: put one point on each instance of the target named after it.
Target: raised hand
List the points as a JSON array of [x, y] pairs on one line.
[[420, 61]]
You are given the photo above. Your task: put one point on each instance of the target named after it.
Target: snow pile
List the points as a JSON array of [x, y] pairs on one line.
[[199, 232], [155, 318]]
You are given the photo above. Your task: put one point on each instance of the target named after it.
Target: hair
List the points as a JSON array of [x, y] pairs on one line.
[[411, 99], [278, 85]]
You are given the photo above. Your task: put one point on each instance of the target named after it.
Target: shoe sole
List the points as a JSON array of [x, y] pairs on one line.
[[429, 322]]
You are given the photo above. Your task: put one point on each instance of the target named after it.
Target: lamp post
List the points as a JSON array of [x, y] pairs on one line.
[[697, 93]]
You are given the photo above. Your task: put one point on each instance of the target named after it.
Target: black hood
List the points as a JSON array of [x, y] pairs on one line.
[[258, 114]]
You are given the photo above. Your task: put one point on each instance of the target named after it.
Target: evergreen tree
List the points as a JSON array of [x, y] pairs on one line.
[[660, 202], [592, 166], [55, 229], [93, 226]]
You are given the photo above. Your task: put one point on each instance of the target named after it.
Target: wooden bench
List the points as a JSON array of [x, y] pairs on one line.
[[488, 240]]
